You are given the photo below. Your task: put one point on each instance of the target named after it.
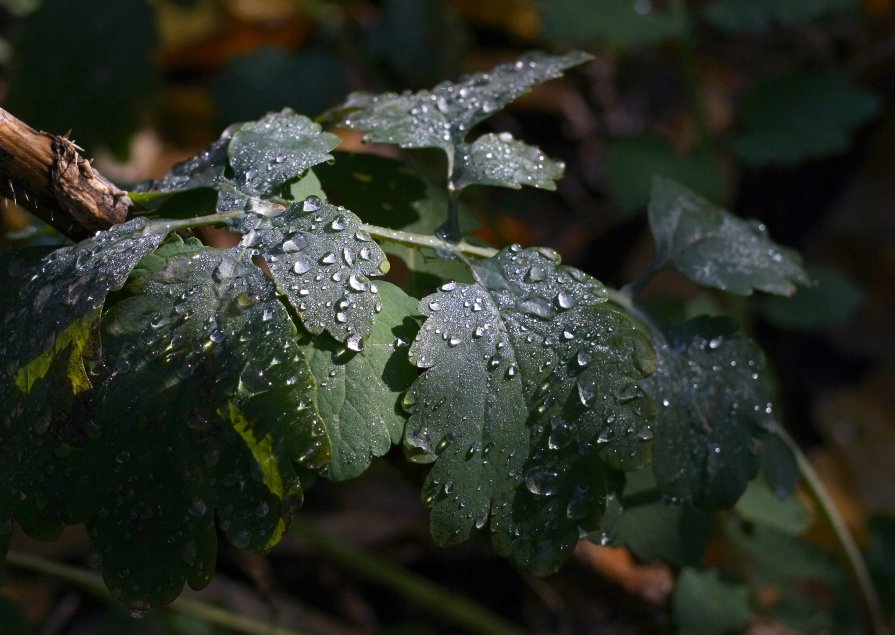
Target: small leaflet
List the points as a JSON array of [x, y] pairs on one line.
[[529, 396], [715, 248], [501, 160], [322, 261], [714, 412]]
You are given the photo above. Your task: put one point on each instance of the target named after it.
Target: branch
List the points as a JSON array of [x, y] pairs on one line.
[[44, 173]]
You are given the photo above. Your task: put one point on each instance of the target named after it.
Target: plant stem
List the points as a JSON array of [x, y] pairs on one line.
[[470, 616], [853, 560], [94, 584], [168, 225], [422, 240]]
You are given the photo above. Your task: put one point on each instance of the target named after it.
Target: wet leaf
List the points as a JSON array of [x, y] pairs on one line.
[[206, 408], [704, 603], [715, 248], [257, 158], [498, 159], [529, 394], [358, 392], [442, 117], [321, 261], [51, 309], [715, 412], [800, 116]]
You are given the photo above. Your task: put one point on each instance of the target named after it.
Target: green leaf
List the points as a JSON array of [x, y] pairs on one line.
[[831, 300], [779, 466], [442, 117], [703, 603], [759, 15], [632, 162], [716, 249], [205, 412], [657, 531], [103, 67], [715, 412], [320, 260], [52, 308], [621, 23], [257, 158], [498, 159], [529, 391], [760, 505], [357, 393], [277, 148], [800, 116]]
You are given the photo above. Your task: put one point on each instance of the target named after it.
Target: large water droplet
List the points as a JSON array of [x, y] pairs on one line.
[[302, 266], [311, 204], [542, 481]]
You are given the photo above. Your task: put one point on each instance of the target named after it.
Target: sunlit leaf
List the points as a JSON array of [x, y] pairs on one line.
[[358, 392], [715, 412], [442, 117], [498, 159], [206, 409], [715, 248], [321, 261], [704, 603], [800, 116], [529, 392]]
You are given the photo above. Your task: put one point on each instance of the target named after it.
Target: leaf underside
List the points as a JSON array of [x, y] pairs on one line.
[[528, 399], [716, 249]]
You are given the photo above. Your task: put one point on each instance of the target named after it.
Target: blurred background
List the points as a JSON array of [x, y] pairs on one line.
[[780, 110]]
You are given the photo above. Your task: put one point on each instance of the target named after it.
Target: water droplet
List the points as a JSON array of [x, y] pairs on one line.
[[267, 314], [197, 507], [355, 342], [448, 286], [454, 341], [564, 300], [295, 243], [338, 224], [311, 204], [341, 317], [302, 266], [356, 283], [217, 336], [328, 259], [715, 343], [542, 481], [434, 306]]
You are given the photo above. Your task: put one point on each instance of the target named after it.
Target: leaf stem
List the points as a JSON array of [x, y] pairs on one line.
[[94, 584], [853, 560], [423, 240], [169, 225], [470, 616]]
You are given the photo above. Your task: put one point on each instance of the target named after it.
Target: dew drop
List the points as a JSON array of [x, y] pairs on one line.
[[302, 266], [355, 342], [328, 259], [311, 204]]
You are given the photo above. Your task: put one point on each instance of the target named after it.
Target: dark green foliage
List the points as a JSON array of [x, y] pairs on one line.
[[704, 603], [621, 23], [759, 15]]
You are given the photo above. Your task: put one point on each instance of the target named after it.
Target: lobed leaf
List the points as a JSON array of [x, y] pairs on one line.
[[358, 392], [529, 395], [442, 117], [715, 412], [321, 260], [714, 248], [205, 411], [498, 159], [51, 308]]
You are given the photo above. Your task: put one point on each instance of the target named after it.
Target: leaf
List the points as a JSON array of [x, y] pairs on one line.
[[831, 300], [257, 158], [632, 162], [358, 392], [759, 505], [703, 603], [205, 412], [715, 412], [442, 117], [779, 466], [759, 15], [658, 531], [716, 249], [277, 148], [498, 159], [800, 116], [529, 393], [320, 260], [621, 23]]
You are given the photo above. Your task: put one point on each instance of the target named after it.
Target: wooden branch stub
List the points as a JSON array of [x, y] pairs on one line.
[[45, 174]]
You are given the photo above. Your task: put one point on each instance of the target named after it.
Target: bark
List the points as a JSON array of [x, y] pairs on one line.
[[45, 174]]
